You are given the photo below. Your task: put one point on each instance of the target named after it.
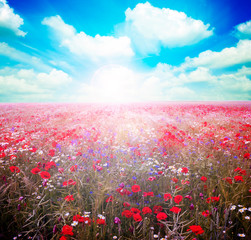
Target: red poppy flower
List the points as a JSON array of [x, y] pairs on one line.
[[175, 180], [206, 213], [69, 182], [184, 170], [69, 198], [78, 218], [137, 217], [35, 170], [73, 168], [136, 188], [237, 169], [213, 199], [178, 199], [161, 216], [196, 229], [228, 179], [167, 196], [145, 194], [175, 209], [123, 191], [45, 175], [67, 230], [63, 238], [151, 179], [127, 213], [135, 210], [52, 152], [14, 169], [188, 197], [49, 165], [157, 209], [126, 204], [203, 179], [247, 155], [109, 199], [238, 179], [87, 220], [101, 221], [99, 168], [146, 210], [33, 149], [243, 172]]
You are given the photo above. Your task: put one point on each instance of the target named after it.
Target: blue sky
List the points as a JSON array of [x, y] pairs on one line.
[[119, 51]]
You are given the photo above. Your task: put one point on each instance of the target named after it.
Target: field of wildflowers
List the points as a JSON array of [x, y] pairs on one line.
[[136, 171]]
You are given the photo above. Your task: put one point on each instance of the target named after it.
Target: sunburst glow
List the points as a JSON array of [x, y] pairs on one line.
[[113, 83]]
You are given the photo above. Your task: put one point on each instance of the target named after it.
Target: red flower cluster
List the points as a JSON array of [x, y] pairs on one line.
[[213, 199], [49, 165], [238, 179], [101, 221], [145, 194], [206, 213], [69, 182], [14, 169], [123, 191], [196, 229], [69, 198], [228, 179]]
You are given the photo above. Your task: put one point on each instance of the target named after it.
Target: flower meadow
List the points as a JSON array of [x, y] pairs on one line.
[[129, 171]]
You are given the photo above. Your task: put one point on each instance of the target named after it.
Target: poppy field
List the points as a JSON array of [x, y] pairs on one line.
[[129, 171]]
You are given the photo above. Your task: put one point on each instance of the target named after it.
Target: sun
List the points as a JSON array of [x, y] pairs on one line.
[[114, 83]]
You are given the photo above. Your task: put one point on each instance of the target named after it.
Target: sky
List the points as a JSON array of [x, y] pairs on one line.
[[125, 50]]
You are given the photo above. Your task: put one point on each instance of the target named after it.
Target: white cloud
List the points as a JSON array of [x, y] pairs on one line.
[[56, 78], [151, 27], [63, 30], [95, 48], [10, 20], [180, 94], [28, 82], [22, 57], [244, 71], [200, 84], [225, 58], [201, 74], [243, 30]]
